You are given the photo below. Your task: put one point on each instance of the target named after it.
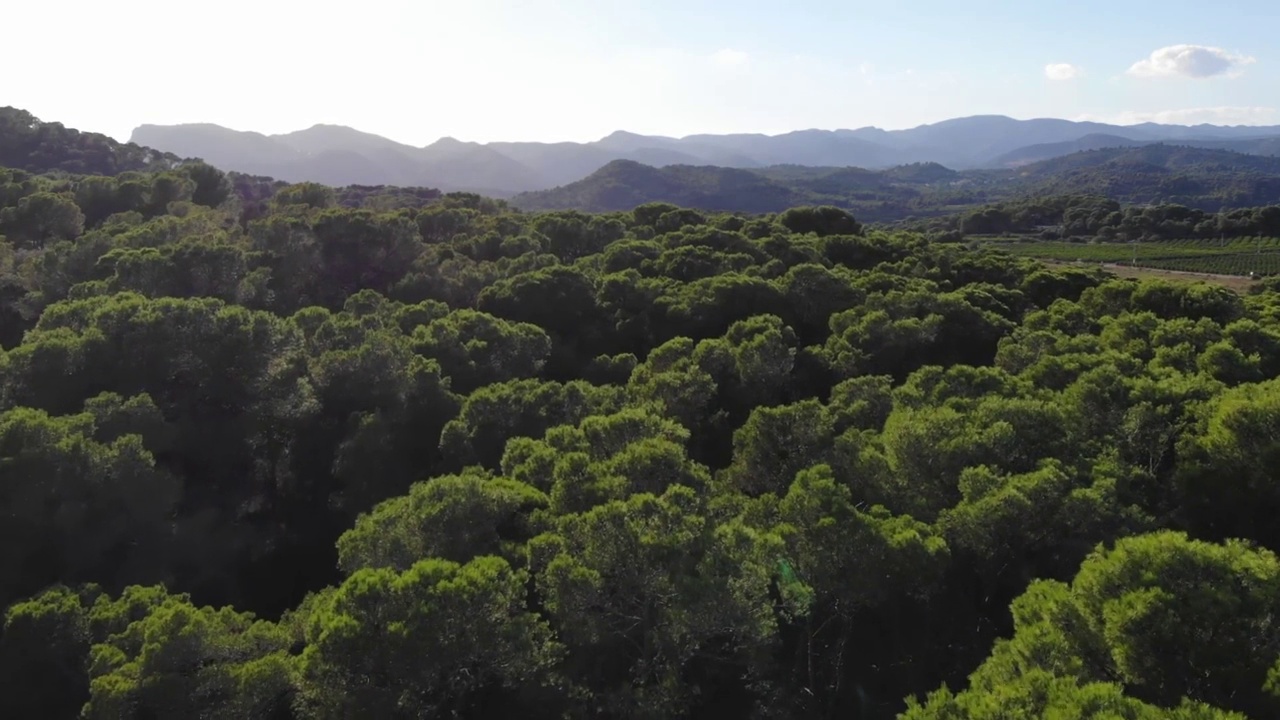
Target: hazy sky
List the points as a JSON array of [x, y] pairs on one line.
[[416, 70]]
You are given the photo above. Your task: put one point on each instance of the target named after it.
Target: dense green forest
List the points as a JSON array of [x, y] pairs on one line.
[[1239, 241], [1081, 218], [290, 451]]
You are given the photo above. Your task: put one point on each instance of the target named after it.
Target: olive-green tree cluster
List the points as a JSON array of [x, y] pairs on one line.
[[289, 451]]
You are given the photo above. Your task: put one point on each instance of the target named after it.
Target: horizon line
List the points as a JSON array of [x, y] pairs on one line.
[[689, 135]]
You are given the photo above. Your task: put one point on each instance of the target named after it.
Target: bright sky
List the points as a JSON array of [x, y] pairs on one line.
[[483, 70]]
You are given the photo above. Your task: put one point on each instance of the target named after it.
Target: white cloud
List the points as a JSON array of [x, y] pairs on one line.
[[730, 58], [1061, 71], [1193, 116], [1191, 61]]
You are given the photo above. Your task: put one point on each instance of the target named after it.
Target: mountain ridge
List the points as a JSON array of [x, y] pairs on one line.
[[1263, 146], [1204, 175], [1205, 178], [508, 168]]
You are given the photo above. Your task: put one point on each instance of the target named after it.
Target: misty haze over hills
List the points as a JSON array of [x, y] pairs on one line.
[[337, 155], [1143, 173]]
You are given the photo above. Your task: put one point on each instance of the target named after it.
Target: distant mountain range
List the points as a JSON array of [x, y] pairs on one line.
[[1206, 178], [337, 155], [1209, 174]]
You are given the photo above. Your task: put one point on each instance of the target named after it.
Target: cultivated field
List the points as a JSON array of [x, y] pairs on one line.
[[1236, 257]]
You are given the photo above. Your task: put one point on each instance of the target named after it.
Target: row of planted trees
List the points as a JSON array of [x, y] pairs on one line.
[[1056, 216]]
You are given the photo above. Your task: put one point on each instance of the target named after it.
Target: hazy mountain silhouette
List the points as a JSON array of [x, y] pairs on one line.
[[247, 152], [1145, 173], [341, 155], [1269, 146]]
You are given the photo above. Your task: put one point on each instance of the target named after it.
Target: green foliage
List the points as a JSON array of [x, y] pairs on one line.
[[179, 661], [476, 349], [1040, 694], [465, 626], [496, 413], [651, 585], [41, 219], [454, 517], [778, 442], [43, 655], [1166, 617], [822, 221], [899, 331], [145, 652], [75, 509], [1226, 479], [31, 144], [667, 462]]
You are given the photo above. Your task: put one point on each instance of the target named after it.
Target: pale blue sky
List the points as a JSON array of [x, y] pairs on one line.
[[416, 70]]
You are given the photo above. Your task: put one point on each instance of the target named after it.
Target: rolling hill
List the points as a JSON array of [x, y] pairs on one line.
[[1148, 173], [1268, 146], [32, 145], [1197, 177], [624, 184], [1153, 157]]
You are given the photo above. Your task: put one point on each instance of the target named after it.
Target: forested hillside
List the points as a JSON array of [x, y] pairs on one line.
[[291, 451], [1268, 146], [1087, 218], [624, 184], [1206, 179], [28, 143]]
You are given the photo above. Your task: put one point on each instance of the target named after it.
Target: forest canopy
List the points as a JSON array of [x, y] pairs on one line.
[[291, 451]]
